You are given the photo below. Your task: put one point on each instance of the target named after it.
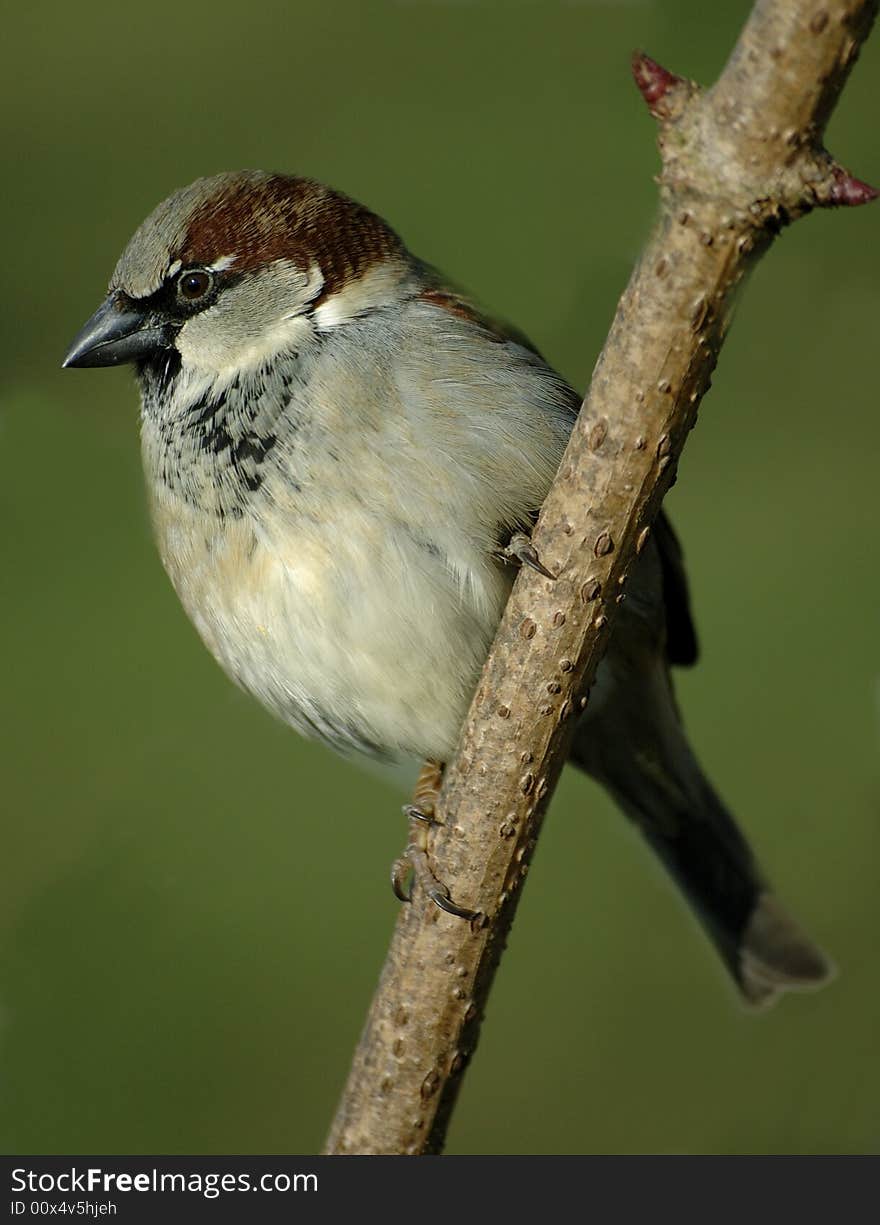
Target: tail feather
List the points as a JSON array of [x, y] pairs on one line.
[[639, 751], [777, 955]]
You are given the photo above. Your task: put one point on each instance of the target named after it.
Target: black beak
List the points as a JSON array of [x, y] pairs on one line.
[[117, 332]]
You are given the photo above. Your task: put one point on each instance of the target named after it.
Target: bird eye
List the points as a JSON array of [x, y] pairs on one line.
[[194, 284]]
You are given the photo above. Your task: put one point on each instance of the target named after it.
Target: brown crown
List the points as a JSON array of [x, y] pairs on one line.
[[262, 218]]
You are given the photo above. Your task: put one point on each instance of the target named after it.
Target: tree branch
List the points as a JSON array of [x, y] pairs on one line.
[[740, 161]]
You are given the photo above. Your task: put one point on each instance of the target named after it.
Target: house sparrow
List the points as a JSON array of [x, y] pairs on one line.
[[339, 449]]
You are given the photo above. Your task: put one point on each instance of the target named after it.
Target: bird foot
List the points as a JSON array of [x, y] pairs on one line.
[[413, 869], [521, 549]]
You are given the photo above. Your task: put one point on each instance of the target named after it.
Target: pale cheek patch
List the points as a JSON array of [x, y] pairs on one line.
[[222, 358], [251, 323]]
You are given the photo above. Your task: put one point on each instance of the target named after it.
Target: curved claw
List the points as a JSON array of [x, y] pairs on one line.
[[529, 557], [400, 870], [521, 548], [414, 813], [440, 897]]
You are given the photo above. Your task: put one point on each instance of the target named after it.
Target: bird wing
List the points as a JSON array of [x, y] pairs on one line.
[[681, 638]]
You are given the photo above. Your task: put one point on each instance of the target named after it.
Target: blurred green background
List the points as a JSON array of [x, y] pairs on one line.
[[194, 902]]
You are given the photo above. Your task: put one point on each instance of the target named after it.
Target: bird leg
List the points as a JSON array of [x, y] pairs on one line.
[[413, 868], [520, 548]]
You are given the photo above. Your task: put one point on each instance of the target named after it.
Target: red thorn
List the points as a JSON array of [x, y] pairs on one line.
[[845, 190], [653, 80]]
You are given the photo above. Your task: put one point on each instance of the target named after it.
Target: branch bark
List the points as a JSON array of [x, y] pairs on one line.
[[740, 161]]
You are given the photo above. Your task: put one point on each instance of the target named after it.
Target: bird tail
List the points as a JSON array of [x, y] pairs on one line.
[[639, 751]]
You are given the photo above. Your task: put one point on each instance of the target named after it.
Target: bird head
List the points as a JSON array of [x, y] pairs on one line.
[[238, 267]]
